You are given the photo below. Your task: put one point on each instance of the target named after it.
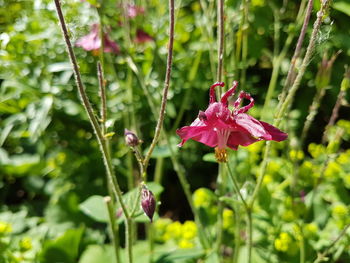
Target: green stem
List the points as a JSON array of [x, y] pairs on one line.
[[88, 108], [114, 228], [166, 84], [250, 236], [237, 235], [128, 237], [245, 28], [219, 224], [305, 63], [247, 209], [203, 236], [297, 51], [221, 32], [321, 256]]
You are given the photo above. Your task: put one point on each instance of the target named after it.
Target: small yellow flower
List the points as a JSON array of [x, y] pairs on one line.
[[184, 243], [228, 218], [202, 197], [316, 150], [333, 170], [310, 230], [174, 230], [283, 242], [340, 211], [296, 155], [25, 244], [5, 228], [189, 230]]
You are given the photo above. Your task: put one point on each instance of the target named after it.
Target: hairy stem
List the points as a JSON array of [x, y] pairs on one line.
[[166, 84], [88, 108]]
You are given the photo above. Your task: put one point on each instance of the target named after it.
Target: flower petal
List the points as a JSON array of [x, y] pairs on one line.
[[252, 126], [202, 134], [276, 134], [240, 138]]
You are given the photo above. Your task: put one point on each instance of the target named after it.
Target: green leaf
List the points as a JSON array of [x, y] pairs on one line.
[[63, 249], [98, 254], [95, 207], [181, 255], [342, 7]]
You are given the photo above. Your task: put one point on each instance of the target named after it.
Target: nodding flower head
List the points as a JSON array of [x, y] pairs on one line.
[[219, 127], [130, 138], [148, 202]]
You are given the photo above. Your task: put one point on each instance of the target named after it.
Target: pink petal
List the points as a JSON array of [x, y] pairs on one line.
[[201, 134], [240, 138], [276, 134], [252, 126]]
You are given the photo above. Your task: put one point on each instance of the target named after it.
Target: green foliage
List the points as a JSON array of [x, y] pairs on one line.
[[52, 178]]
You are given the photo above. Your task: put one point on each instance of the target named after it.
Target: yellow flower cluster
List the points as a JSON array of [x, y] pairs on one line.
[[183, 234], [228, 220], [296, 155], [5, 228], [25, 244], [283, 242], [316, 150]]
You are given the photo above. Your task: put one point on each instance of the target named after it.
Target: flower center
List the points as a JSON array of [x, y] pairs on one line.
[[220, 151], [223, 135], [221, 155]]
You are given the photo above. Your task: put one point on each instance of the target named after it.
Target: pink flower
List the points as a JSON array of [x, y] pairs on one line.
[[220, 127], [142, 37], [134, 10], [92, 41]]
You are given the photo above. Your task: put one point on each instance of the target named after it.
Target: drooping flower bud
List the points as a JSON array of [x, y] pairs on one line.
[[148, 202], [131, 138]]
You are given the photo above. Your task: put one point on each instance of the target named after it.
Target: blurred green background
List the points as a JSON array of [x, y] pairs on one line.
[[49, 158]]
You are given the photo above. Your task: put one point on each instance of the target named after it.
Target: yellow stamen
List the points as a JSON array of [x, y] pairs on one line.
[[221, 155]]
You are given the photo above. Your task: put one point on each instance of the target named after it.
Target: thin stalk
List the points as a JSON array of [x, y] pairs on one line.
[[312, 113], [208, 33], [248, 211], [110, 200], [237, 235], [114, 228], [297, 51], [236, 186], [322, 257], [88, 108], [221, 32], [250, 236], [245, 28], [219, 223], [166, 84], [334, 116], [128, 238], [203, 236], [305, 63]]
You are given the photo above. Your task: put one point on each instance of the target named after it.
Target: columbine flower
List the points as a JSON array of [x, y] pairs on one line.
[[220, 127], [92, 42], [142, 37], [148, 202]]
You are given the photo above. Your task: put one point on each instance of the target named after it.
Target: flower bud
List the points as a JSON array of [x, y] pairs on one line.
[[131, 138], [148, 202]]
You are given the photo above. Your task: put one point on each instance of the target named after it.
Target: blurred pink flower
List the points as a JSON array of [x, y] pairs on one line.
[[142, 37], [220, 127], [92, 42], [133, 10]]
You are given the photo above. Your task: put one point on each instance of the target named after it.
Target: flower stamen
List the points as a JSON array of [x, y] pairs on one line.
[[220, 155]]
